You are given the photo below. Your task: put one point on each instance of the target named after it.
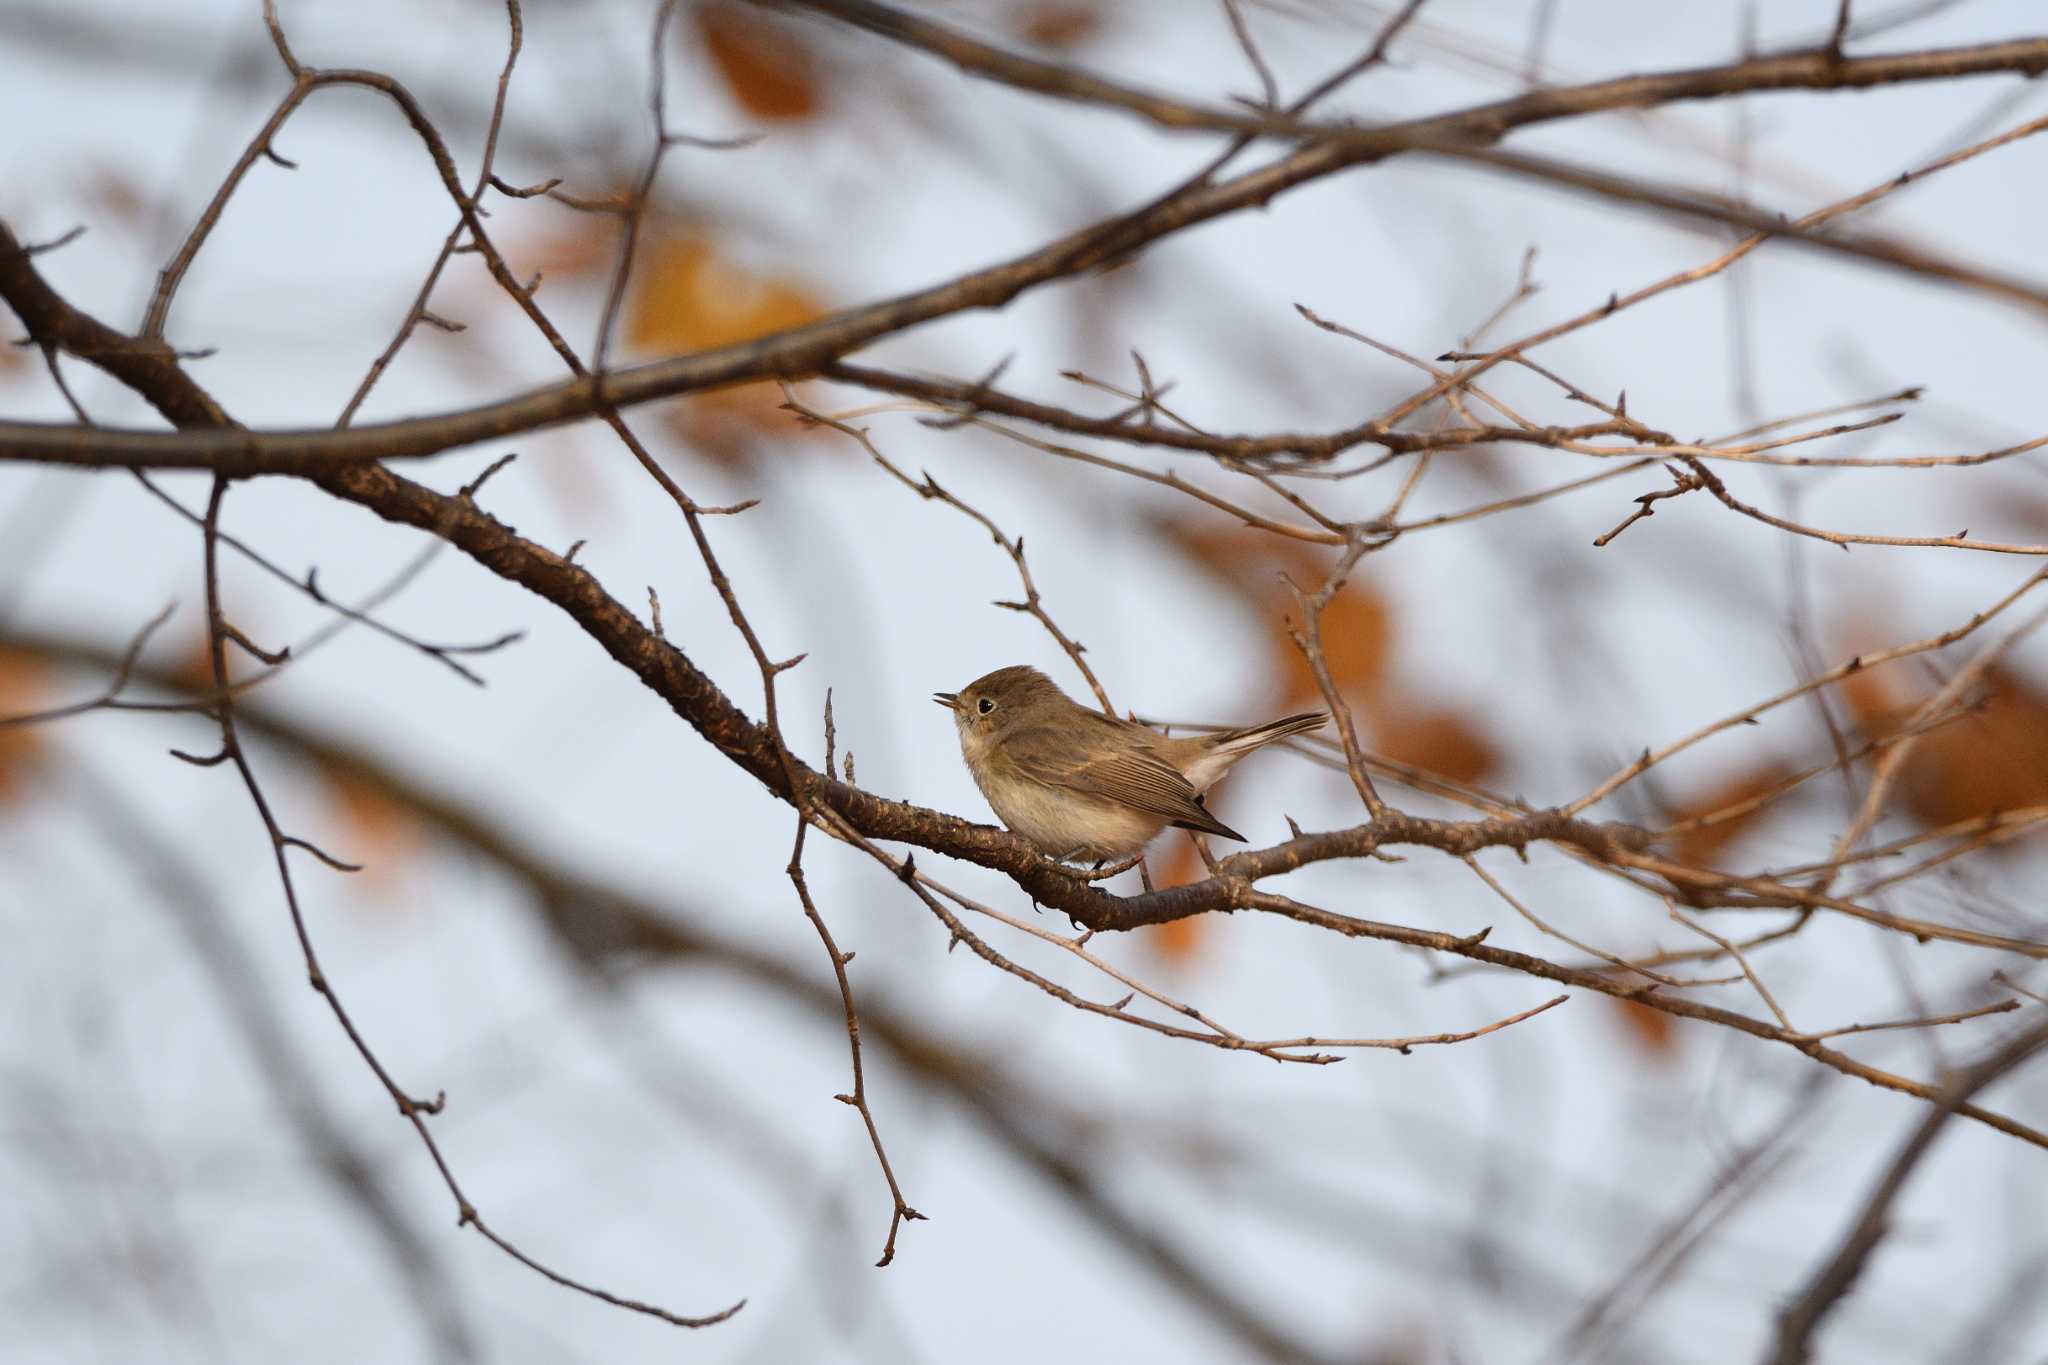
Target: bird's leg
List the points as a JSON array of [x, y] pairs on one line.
[[1099, 873]]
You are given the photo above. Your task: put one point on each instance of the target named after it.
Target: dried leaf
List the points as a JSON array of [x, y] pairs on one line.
[[584, 247], [1702, 845], [1177, 941], [770, 70], [1991, 760], [1176, 864], [1650, 1030], [1357, 626], [24, 687], [115, 194], [192, 668], [1357, 631], [376, 831], [1436, 739], [1058, 23], [688, 296]]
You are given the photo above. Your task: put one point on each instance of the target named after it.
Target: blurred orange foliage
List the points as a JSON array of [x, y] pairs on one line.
[[688, 295], [24, 687], [1435, 739], [1991, 760], [1175, 863], [1358, 640], [1651, 1030], [1702, 845], [378, 832], [1058, 23], [771, 72]]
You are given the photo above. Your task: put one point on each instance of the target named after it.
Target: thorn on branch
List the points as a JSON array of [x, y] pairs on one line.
[[469, 490], [523, 192], [969, 405], [570, 558], [668, 137], [209, 761], [435, 320], [38, 248], [273, 658], [276, 158], [294, 841]]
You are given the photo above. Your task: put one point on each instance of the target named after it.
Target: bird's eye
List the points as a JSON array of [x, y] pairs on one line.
[[984, 706]]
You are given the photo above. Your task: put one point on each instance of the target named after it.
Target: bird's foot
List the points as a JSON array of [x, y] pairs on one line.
[[1099, 873]]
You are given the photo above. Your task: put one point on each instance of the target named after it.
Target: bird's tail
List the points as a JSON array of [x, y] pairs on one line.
[[1240, 742], [1214, 755]]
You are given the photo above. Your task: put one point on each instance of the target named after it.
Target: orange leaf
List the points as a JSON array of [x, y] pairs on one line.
[[378, 832], [1059, 23], [1651, 1030], [1356, 629], [687, 297], [1436, 740], [1177, 941], [1993, 759], [193, 668], [587, 245], [1874, 700], [115, 194], [771, 73], [1701, 845], [724, 424], [24, 687], [1249, 560]]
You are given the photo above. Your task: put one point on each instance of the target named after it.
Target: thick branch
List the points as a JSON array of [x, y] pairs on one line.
[[803, 351]]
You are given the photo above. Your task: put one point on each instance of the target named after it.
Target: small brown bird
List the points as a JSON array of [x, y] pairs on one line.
[[1080, 784]]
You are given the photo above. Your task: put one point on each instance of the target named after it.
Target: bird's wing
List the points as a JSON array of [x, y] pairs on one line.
[[1133, 777]]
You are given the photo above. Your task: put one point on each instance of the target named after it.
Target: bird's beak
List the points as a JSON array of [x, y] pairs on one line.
[[949, 700]]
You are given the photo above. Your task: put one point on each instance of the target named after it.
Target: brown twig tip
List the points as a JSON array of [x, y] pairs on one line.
[[523, 192], [55, 243]]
